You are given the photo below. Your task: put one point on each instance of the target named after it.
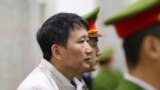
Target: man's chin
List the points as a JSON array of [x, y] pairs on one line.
[[91, 69]]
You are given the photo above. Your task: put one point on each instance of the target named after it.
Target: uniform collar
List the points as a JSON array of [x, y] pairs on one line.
[[139, 82]]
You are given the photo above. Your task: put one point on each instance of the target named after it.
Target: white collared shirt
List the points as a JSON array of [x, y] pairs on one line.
[[79, 84], [139, 82], [44, 77], [40, 78]]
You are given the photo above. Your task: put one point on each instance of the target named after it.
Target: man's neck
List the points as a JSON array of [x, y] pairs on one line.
[[147, 74], [68, 73]]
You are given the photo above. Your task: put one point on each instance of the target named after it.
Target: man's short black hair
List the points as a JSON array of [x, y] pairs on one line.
[[56, 30], [133, 43]]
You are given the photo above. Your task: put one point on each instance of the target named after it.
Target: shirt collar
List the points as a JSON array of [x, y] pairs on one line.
[[139, 82], [79, 82]]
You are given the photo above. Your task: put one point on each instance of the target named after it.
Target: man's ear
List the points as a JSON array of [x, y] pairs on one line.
[[56, 51], [151, 47]]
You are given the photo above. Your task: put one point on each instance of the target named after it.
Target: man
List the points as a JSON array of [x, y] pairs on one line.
[[85, 76], [63, 39], [107, 77], [139, 25]]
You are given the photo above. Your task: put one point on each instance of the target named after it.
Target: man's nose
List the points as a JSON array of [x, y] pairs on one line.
[[89, 49]]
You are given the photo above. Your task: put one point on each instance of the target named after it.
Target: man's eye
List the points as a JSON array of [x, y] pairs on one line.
[[82, 40], [93, 44]]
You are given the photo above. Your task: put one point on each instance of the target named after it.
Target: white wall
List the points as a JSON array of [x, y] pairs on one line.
[[79, 7], [126, 2], [18, 46]]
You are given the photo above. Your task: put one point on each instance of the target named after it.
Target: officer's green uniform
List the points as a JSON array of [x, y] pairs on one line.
[[107, 78], [132, 19]]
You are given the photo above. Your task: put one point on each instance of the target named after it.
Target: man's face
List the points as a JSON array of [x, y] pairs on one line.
[[77, 55], [93, 41]]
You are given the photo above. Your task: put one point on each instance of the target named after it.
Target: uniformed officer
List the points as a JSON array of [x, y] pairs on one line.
[[139, 26], [107, 78], [85, 77]]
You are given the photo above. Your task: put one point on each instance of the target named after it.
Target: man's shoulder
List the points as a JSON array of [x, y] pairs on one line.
[[37, 80], [127, 85]]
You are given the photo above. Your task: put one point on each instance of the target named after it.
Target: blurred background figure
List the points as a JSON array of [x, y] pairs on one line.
[[107, 77], [139, 25]]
